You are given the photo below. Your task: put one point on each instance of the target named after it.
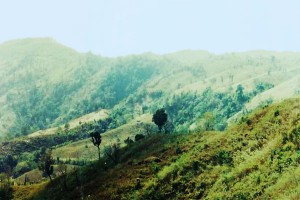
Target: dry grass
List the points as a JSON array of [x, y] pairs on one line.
[[101, 114], [85, 150]]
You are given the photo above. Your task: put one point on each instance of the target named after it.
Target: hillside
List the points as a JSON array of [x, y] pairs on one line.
[[45, 84], [91, 117], [258, 158], [83, 149], [53, 99]]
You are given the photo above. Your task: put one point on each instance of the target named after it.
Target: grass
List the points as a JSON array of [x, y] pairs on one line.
[[258, 158], [98, 115], [120, 177], [28, 192], [85, 150]]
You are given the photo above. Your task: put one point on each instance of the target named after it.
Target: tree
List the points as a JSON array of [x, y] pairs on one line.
[[67, 127], [209, 121], [39, 154], [240, 97], [160, 118], [128, 141], [113, 152], [46, 164], [148, 128], [8, 163], [169, 127], [62, 169], [139, 137], [96, 140], [6, 191]]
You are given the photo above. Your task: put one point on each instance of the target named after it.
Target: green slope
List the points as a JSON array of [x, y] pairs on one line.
[[258, 158]]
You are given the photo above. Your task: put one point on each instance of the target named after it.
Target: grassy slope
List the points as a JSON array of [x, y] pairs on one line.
[[85, 150], [82, 150], [255, 159], [94, 116], [36, 140]]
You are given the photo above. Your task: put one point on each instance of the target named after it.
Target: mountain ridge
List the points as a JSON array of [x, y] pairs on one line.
[[45, 67]]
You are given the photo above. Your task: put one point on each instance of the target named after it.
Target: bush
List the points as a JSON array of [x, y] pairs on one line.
[[223, 157], [6, 191], [21, 168], [139, 137], [276, 113], [128, 141], [113, 152]]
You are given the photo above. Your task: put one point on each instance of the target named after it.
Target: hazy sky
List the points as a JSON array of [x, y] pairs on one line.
[[121, 27]]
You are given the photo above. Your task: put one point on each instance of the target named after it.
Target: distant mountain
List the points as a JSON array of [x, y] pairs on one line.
[[45, 84]]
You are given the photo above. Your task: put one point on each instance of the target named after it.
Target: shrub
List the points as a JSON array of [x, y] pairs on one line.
[[21, 168], [276, 113], [113, 152], [223, 157], [6, 191], [128, 141], [139, 137]]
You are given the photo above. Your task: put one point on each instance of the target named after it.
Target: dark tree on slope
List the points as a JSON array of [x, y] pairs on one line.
[[7, 164], [46, 164], [113, 152], [241, 98], [6, 190], [96, 140], [160, 118]]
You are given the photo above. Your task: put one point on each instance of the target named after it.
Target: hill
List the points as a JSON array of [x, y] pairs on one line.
[[258, 158], [45, 84], [52, 98]]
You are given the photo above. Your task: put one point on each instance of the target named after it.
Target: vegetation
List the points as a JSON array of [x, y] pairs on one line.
[[160, 118], [77, 84], [45, 164], [6, 190], [251, 160], [219, 147], [96, 140]]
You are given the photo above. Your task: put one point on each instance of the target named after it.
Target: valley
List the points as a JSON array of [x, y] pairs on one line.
[[232, 128]]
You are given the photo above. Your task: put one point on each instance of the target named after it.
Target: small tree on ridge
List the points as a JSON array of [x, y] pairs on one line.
[[160, 118], [96, 140], [46, 163]]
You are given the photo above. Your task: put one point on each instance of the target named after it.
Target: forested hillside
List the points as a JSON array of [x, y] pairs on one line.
[[45, 84], [179, 125]]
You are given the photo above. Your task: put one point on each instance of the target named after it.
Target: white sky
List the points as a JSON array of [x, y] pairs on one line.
[[121, 27]]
